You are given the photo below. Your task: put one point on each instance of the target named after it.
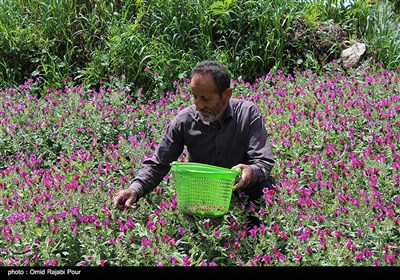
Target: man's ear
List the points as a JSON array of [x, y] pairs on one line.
[[227, 94]]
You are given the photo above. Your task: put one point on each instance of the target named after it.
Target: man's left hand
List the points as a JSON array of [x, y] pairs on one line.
[[245, 177]]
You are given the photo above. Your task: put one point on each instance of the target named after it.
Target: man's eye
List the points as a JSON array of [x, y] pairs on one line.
[[204, 99]]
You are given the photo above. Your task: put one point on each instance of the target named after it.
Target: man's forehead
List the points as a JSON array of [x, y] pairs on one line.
[[202, 79]]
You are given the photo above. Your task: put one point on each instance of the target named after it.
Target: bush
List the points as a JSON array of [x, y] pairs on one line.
[[154, 43]]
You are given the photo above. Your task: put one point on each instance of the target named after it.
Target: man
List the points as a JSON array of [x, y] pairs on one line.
[[217, 130]]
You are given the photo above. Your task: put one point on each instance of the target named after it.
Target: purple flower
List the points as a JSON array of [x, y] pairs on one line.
[[186, 261]]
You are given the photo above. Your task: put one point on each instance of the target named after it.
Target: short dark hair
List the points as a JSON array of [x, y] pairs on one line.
[[218, 72]]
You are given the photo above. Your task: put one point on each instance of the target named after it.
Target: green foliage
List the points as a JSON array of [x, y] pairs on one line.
[[155, 43], [383, 36]]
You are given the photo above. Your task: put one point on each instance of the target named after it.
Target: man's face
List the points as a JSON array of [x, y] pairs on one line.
[[207, 100]]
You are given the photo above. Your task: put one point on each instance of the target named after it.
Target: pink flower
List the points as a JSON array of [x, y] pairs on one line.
[[253, 232], [371, 226], [359, 256], [267, 259], [283, 235], [186, 261], [232, 255]]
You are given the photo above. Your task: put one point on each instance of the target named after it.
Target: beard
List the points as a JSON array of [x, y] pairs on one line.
[[213, 115]]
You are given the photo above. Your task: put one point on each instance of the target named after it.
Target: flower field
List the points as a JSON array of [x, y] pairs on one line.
[[65, 153]]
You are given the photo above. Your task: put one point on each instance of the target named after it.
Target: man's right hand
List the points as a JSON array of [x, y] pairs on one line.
[[124, 199]]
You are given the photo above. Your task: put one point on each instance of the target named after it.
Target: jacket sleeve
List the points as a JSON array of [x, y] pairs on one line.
[[155, 168], [259, 152]]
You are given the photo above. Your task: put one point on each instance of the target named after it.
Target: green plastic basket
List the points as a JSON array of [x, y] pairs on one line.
[[203, 189]]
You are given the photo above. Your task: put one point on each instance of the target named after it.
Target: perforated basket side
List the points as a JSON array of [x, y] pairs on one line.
[[202, 195]]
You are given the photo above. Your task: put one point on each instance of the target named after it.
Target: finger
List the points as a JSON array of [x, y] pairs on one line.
[[119, 201], [238, 186], [116, 201], [128, 203], [234, 188], [120, 207]]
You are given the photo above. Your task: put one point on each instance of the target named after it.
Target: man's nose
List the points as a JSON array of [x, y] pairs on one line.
[[199, 105]]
